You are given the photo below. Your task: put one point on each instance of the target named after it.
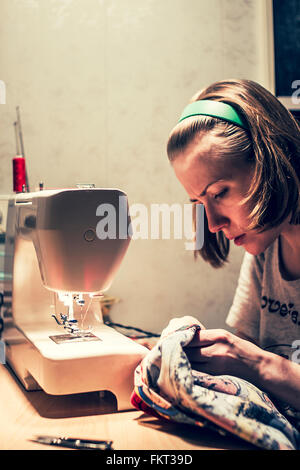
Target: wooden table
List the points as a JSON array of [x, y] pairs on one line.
[[27, 414]]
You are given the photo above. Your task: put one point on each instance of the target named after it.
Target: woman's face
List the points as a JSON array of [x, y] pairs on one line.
[[221, 185]]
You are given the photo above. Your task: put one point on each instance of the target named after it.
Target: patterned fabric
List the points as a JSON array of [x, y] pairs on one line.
[[167, 387]]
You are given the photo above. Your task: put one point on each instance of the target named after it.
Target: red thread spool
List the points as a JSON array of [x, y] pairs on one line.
[[19, 174]]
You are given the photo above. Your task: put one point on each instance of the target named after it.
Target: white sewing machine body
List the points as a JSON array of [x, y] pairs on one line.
[[58, 269]]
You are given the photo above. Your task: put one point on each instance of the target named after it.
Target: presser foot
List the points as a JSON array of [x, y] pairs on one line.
[[74, 333]]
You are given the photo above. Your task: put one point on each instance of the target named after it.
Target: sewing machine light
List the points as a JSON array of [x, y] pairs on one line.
[[76, 326]]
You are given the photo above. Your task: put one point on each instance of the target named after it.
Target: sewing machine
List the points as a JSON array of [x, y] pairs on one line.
[[58, 263]]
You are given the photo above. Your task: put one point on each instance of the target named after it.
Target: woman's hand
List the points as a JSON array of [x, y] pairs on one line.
[[179, 322], [219, 352]]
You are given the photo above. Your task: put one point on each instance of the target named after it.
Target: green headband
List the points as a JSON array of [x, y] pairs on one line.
[[215, 109]]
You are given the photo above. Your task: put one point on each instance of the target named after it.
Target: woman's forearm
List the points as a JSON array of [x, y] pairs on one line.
[[280, 378]]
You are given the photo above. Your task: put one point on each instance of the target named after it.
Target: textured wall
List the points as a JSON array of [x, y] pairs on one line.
[[100, 84]]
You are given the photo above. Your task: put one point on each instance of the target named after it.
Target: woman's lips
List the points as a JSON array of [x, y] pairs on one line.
[[240, 239], [237, 240]]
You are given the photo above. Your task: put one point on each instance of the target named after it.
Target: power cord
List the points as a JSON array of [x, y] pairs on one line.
[[146, 334]]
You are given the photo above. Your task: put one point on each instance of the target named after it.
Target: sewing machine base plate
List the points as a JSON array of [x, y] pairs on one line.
[[73, 338]]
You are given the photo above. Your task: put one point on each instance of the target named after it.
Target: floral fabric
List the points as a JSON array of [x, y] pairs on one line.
[[167, 387]]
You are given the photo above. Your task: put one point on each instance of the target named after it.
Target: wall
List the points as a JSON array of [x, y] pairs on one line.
[[100, 84]]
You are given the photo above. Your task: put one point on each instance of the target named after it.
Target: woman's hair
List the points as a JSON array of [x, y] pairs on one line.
[[271, 144]]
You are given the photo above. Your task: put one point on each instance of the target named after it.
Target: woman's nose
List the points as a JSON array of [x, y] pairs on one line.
[[216, 222]]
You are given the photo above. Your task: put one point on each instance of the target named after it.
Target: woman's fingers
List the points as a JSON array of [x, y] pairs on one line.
[[207, 337], [199, 354], [179, 322]]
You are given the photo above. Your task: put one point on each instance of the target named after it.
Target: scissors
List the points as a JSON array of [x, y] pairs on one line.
[[73, 443]]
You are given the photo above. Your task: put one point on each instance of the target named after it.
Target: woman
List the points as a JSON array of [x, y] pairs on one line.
[[236, 150]]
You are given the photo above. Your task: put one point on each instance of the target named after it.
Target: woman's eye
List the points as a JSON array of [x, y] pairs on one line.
[[221, 193]]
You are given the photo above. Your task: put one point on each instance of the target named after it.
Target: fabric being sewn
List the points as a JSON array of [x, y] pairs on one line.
[[167, 387]]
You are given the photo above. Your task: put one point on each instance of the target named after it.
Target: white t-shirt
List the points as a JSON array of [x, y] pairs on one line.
[[266, 306]]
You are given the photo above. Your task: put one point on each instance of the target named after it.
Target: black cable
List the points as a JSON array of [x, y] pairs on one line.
[[277, 345], [147, 334]]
